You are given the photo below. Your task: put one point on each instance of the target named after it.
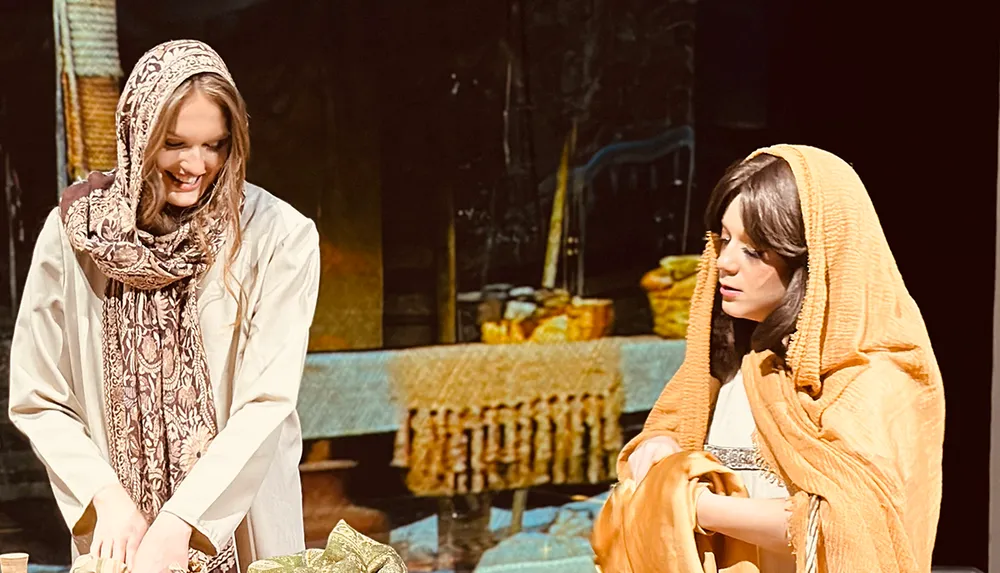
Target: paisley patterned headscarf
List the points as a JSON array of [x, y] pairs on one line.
[[160, 414]]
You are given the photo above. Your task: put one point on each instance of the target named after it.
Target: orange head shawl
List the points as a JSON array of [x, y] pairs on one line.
[[857, 416]]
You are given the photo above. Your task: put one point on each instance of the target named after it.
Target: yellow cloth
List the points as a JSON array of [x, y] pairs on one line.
[[859, 419], [507, 416], [649, 527], [347, 551]]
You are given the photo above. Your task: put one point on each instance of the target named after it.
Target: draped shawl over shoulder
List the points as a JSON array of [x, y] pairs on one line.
[[157, 392], [856, 414]]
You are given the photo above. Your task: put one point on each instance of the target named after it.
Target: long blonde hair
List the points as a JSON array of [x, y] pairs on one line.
[[224, 199]]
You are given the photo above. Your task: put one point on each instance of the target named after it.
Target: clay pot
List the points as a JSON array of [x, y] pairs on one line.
[[325, 502]]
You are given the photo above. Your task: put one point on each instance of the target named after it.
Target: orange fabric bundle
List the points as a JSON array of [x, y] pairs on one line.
[[650, 527]]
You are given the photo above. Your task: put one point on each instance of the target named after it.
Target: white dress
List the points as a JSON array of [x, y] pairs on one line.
[[730, 438]]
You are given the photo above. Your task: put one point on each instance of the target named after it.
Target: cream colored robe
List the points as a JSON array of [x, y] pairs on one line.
[[248, 480]]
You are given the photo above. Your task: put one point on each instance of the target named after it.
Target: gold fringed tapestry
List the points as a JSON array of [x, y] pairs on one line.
[[89, 73], [480, 417]]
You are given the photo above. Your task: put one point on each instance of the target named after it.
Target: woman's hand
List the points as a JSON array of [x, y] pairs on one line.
[[120, 527], [164, 546], [648, 453]]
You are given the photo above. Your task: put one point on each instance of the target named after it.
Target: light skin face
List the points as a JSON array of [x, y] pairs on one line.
[[752, 283], [194, 152]]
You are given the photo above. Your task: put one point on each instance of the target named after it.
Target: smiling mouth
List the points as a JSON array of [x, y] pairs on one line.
[[187, 183]]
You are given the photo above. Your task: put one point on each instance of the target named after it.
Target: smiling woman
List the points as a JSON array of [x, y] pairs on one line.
[[162, 407], [194, 150], [195, 147]]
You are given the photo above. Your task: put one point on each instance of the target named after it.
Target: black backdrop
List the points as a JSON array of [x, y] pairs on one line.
[[909, 97]]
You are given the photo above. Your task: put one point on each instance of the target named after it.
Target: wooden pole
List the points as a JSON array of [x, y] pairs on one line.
[[447, 289], [556, 220]]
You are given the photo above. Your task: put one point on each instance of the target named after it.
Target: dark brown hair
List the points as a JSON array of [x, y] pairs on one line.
[[772, 219]]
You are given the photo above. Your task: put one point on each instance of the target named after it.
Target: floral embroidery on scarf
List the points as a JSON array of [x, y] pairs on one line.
[[159, 406]]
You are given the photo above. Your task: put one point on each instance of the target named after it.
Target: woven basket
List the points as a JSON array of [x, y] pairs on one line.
[[669, 289], [590, 319]]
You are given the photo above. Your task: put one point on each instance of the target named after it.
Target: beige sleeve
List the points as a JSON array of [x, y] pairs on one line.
[[43, 405], [216, 495]]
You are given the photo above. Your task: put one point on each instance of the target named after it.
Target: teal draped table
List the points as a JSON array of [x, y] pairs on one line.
[[349, 393]]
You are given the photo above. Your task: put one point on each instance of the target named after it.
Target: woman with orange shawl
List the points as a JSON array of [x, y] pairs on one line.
[[807, 363]]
